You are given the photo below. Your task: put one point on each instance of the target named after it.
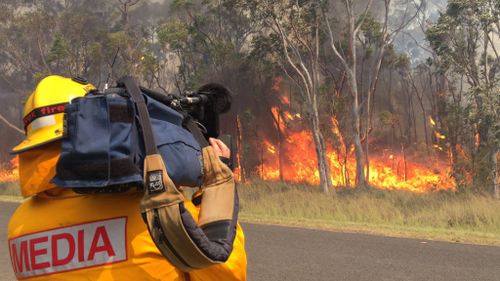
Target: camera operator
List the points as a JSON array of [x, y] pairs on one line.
[[57, 234]]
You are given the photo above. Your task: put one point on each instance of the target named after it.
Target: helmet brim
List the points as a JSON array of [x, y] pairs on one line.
[[41, 136]]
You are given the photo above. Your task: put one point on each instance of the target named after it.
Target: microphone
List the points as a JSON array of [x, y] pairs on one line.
[[214, 99], [220, 96], [191, 100]]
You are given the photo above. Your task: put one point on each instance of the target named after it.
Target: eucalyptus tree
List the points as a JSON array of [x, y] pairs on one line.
[[291, 36], [40, 38], [465, 39], [207, 38], [363, 31]]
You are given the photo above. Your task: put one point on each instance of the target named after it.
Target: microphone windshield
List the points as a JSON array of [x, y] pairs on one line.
[[220, 95]]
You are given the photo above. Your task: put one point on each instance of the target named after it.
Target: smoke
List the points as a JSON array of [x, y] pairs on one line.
[[150, 11], [411, 40]]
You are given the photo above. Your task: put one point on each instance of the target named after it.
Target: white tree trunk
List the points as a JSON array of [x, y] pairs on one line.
[[494, 171], [320, 147], [360, 175]]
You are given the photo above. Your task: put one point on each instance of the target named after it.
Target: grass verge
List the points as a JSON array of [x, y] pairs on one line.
[[8, 198], [447, 216], [9, 192]]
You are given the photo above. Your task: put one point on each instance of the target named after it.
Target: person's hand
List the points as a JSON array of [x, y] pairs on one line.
[[220, 148]]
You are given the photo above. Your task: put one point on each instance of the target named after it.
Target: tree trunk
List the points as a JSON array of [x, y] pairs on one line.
[[347, 179], [239, 149], [424, 119], [455, 171], [420, 97], [280, 145], [414, 121], [360, 175], [404, 162], [262, 162], [494, 171], [277, 122], [323, 168], [369, 108], [392, 110]]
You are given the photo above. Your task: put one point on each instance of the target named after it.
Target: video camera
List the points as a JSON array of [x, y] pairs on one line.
[[203, 106]]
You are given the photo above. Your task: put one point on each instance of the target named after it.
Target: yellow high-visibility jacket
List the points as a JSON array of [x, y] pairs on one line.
[[61, 235]]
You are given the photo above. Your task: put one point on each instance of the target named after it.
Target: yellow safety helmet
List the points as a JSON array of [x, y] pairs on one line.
[[43, 113]]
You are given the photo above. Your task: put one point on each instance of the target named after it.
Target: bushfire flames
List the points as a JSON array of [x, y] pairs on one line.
[[388, 169], [9, 171]]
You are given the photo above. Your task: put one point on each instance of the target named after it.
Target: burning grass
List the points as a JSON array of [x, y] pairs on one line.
[[390, 168], [437, 215], [288, 153]]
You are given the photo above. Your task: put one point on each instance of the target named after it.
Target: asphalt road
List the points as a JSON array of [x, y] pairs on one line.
[[282, 253]]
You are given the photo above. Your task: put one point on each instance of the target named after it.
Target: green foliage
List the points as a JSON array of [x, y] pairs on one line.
[[174, 33], [46, 37], [462, 42], [437, 35], [182, 4], [265, 48], [387, 118], [401, 61], [59, 49], [119, 39], [207, 38], [236, 43], [372, 32], [96, 51]]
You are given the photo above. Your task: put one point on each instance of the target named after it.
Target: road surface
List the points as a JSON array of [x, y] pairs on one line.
[[282, 253]]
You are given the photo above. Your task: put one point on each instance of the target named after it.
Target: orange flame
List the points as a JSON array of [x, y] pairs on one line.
[[270, 148], [385, 172], [437, 147], [285, 100], [9, 172], [439, 135], [433, 123], [477, 138], [237, 174], [388, 169]]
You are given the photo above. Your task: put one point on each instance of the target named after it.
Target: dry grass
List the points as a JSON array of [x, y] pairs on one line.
[[9, 192], [10, 189], [442, 216]]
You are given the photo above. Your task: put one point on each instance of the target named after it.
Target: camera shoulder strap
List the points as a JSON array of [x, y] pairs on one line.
[[135, 95], [195, 131]]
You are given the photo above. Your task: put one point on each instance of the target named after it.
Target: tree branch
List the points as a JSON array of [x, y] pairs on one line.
[[332, 41], [11, 125], [290, 61], [363, 17]]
